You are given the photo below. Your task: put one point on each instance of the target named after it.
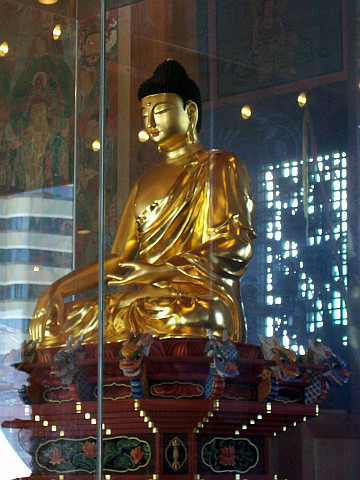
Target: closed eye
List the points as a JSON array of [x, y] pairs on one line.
[[159, 112]]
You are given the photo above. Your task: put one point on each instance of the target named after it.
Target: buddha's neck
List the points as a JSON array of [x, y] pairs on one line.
[[183, 151]]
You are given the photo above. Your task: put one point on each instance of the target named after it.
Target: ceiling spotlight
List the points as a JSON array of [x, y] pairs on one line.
[[57, 32], [302, 99], [246, 112], [143, 136], [47, 2], [4, 48], [96, 145]]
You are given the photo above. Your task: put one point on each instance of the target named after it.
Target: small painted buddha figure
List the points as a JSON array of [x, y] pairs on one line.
[[182, 244]]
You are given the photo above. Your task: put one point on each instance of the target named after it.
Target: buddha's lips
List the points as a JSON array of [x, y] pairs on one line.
[[155, 134]]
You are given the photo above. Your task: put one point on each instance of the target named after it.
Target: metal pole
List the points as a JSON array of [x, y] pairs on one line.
[[75, 139], [99, 469]]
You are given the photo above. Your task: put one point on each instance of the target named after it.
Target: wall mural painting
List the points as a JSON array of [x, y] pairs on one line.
[[37, 101], [37, 80], [276, 47], [88, 131]]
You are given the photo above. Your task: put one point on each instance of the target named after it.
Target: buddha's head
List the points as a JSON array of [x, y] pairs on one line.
[[171, 106]]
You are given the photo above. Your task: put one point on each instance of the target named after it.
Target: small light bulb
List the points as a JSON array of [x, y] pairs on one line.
[[302, 99], [4, 49], [57, 32], [96, 145], [246, 112], [143, 136]]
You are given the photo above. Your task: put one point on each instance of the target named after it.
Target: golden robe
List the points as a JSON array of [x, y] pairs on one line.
[[204, 227]]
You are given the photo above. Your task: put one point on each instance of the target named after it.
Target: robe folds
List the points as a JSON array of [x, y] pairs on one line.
[[204, 227]]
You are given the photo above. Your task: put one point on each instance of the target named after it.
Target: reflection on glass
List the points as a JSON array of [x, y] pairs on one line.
[[35, 249], [12, 465]]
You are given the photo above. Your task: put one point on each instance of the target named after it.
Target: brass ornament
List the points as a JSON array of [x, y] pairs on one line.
[[176, 454]]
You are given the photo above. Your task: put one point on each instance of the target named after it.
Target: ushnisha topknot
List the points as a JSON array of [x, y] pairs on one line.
[[171, 77]]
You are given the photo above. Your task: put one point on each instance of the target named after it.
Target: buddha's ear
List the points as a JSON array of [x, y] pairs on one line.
[[193, 113]]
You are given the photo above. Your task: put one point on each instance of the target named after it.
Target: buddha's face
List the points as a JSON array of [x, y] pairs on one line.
[[165, 119]]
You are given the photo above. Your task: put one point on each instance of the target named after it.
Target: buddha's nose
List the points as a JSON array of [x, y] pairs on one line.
[[151, 121]]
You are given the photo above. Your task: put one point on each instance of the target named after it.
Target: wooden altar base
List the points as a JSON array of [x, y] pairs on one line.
[[175, 433], [153, 477], [166, 439]]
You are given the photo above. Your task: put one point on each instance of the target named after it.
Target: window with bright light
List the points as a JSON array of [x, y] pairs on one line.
[[301, 252]]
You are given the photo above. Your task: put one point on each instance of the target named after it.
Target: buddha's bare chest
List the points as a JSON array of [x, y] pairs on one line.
[[155, 187]]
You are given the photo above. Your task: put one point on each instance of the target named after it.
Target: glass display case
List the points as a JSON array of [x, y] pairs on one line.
[[183, 173]]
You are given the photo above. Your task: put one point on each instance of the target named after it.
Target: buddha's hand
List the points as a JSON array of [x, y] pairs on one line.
[[49, 311], [143, 273]]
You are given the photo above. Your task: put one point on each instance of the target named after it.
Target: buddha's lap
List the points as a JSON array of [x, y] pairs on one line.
[[179, 314]]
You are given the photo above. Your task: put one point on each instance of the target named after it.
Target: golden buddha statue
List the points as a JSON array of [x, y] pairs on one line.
[[189, 224]]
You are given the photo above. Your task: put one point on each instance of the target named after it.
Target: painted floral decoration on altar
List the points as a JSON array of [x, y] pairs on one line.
[[230, 455], [56, 456], [90, 449], [121, 454], [137, 454], [227, 456]]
